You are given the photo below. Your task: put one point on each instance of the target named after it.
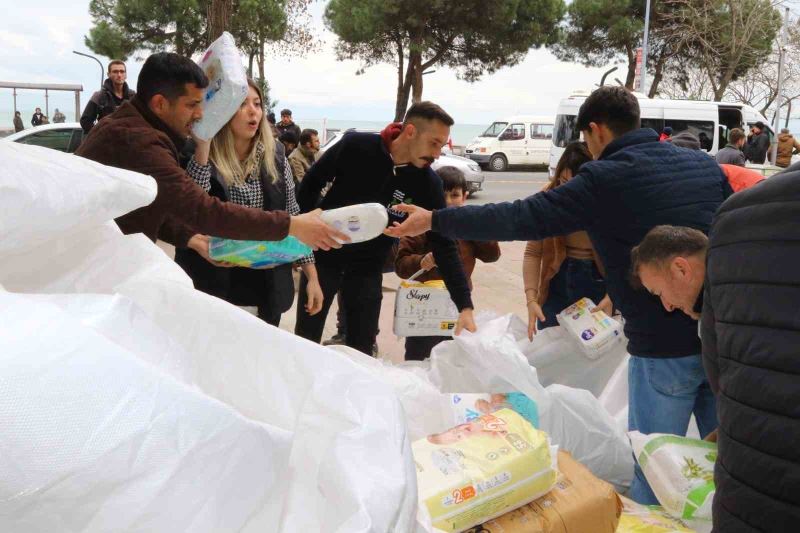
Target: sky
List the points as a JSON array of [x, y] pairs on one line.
[[37, 38]]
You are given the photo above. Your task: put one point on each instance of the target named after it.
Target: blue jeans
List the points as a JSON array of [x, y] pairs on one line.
[[576, 279], [662, 395]]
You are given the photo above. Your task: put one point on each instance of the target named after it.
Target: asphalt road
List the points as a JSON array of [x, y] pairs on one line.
[[507, 186]]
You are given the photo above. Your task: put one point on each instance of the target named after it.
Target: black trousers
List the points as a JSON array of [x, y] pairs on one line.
[[360, 299], [419, 348]]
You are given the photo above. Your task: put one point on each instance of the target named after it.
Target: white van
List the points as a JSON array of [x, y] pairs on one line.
[[710, 122], [518, 140]]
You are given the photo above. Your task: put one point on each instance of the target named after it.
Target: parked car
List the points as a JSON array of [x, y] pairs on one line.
[[65, 137], [472, 172], [517, 140]]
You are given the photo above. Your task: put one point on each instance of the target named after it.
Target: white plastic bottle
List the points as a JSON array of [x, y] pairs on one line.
[[361, 222]]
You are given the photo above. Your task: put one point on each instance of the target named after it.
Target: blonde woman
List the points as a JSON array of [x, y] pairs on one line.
[[243, 164]]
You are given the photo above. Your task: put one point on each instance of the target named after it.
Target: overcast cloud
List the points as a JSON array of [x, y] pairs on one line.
[[37, 39]]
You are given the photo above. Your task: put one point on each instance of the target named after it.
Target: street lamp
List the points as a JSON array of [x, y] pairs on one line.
[[102, 72]]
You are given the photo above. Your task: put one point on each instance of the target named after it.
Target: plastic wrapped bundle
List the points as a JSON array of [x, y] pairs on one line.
[[227, 86]]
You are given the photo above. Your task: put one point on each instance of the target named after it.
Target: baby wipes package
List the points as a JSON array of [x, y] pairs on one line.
[[257, 254], [595, 331], [467, 407], [482, 469], [422, 309], [679, 470], [227, 86], [637, 518], [361, 222]]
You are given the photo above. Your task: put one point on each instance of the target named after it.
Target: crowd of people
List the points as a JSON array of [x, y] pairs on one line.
[[624, 221]]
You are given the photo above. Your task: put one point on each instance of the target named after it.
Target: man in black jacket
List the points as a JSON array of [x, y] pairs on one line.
[[635, 184], [390, 168], [757, 144], [103, 102], [751, 332]]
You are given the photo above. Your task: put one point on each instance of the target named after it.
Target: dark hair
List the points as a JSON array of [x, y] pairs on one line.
[[575, 155], [760, 125], [167, 74], [428, 111], [288, 137], [736, 135], [116, 62], [662, 243], [271, 117], [306, 134], [17, 113], [452, 179], [667, 130], [614, 106], [286, 112]]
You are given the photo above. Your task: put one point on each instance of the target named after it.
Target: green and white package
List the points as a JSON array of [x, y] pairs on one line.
[[679, 470]]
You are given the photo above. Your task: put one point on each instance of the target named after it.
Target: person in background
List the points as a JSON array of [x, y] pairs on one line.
[[787, 147], [415, 253], [243, 164], [738, 177], [666, 133], [147, 134], [59, 117], [36, 119], [757, 144], [634, 184], [304, 156], [18, 124], [389, 168], [559, 271], [732, 153], [286, 124], [271, 120], [114, 92], [289, 141]]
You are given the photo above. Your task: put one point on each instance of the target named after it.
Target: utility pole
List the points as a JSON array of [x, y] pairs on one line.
[[782, 51], [102, 72], [644, 46]]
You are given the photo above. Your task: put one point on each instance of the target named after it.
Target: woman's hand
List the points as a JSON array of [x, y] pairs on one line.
[[315, 297], [199, 243], [534, 312], [202, 150], [605, 305]]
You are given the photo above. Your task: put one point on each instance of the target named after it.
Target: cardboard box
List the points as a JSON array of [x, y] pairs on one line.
[[579, 503], [595, 332], [423, 309]]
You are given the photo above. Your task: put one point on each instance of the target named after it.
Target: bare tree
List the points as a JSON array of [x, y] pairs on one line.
[[687, 83], [726, 38]]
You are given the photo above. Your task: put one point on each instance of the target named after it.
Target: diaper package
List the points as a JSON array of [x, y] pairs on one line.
[[257, 254], [422, 309], [482, 469], [361, 222], [679, 470], [467, 407], [637, 518], [579, 503], [595, 332], [227, 86]]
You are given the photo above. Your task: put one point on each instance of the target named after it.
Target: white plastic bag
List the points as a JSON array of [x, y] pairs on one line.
[[679, 470], [349, 466], [45, 194], [227, 86], [94, 439], [490, 361]]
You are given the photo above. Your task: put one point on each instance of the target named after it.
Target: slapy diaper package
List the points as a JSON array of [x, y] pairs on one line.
[[361, 222], [482, 469], [257, 254], [422, 309], [595, 332], [227, 86], [680, 471]]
